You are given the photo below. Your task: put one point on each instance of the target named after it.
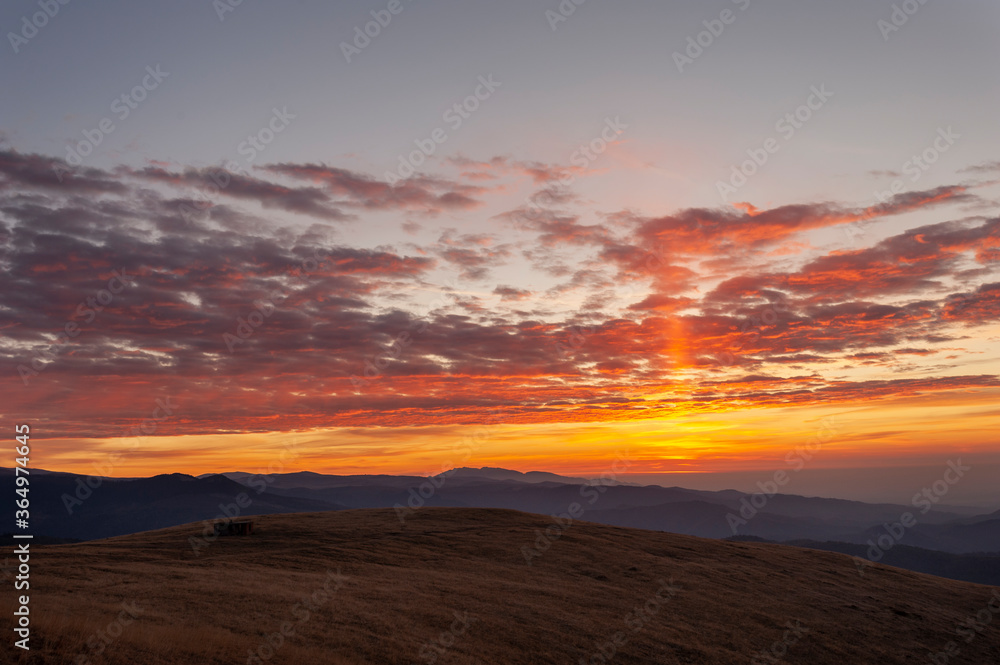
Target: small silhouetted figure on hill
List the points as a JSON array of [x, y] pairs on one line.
[[234, 528]]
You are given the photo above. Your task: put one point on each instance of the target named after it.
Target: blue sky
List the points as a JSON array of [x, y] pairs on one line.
[[607, 59]]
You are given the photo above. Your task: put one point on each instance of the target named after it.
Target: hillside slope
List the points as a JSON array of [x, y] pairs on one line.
[[453, 586]]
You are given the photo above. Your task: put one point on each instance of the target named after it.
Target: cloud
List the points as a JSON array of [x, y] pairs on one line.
[[914, 261], [303, 200], [977, 307], [47, 173], [509, 293], [539, 173], [632, 317], [473, 254], [424, 193], [984, 167], [702, 231]]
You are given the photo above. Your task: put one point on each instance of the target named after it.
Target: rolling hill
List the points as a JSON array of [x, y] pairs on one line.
[[484, 586], [70, 507]]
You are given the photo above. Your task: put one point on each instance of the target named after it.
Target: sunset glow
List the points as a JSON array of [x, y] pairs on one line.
[[558, 280]]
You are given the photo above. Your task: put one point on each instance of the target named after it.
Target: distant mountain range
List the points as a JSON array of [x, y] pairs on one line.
[[494, 473], [68, 506]]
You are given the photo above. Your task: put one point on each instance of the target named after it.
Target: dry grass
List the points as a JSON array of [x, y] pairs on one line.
[[404, 585]]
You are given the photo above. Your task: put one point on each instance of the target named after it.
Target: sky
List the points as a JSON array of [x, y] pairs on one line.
[[401, 236]]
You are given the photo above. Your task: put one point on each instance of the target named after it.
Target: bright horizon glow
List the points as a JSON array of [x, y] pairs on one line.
[[741, 440]]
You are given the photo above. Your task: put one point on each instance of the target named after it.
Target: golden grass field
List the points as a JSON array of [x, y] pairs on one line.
[[403, 585]]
